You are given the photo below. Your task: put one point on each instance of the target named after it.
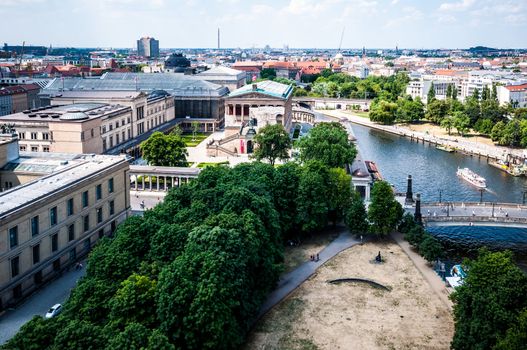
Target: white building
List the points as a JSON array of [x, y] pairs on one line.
[[514, 94]]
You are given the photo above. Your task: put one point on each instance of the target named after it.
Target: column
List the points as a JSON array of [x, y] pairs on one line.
[[157, 182], [179, 182], [143, 181], [150, 182]]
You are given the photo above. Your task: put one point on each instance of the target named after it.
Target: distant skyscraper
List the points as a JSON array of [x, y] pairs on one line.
[[148, 47]]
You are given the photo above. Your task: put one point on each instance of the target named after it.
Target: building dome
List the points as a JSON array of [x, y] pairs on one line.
[[74, 116], [360, 173], [177, 62]]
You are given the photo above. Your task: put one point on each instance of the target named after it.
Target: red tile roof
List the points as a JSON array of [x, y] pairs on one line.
[[513, 88]]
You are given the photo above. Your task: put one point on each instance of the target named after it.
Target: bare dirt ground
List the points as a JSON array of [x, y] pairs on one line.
[[319, 315], [437, 131]]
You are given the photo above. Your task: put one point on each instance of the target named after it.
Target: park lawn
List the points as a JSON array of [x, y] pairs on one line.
[[361, 114], [206, 164], [188, 139]]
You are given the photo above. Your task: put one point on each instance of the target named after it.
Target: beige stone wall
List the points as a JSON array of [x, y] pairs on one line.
[[22, 217]]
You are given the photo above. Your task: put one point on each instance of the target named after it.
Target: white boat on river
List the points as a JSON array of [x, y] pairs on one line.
[[471, 177]]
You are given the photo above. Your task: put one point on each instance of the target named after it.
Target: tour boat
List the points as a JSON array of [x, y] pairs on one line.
[[458, 274], [445, 148], [471, 177]]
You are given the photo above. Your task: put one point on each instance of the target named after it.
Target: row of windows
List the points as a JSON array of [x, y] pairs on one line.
[[15, 270], [110, 125], [34, 136], [110, 143], [156, 109], [33, 148], [53, 213]]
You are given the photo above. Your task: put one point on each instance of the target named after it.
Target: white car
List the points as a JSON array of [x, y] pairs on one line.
[[54, 311]]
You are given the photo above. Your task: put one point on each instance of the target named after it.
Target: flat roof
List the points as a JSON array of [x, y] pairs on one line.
[[73, 113], [78, 168]]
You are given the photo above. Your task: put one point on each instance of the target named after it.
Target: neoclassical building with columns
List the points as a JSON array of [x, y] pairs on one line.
[[249, 108]]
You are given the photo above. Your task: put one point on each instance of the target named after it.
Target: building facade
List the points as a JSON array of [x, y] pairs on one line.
[[148, 47], [14, 99], [47, 224]]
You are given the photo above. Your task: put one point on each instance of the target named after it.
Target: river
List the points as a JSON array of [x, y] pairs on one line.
[[434, 171]]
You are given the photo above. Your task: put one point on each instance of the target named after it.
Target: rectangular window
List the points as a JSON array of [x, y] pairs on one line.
[[111, 141], [34, 136], [13, 236], [85, 201], [116, 139], [45, 148], [124, 136], [82, 135], [23, 148], [34, 226], [36, 254], [99, 215], [112, 207], [116, 124], [110, 185], [38, 277], [34, 148], [98, 192], [15, 266], [71, 232], [54, 242], [104, 144], [103, 129], [22, 135], [56, 265], [86, 223], [73, 254], [45, 136], [140, 112], [87, 244], [53, 216], [70, 207], [92, 132], [101, 233]]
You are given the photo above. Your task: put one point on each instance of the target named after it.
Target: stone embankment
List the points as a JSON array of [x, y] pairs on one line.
[[462, 146]]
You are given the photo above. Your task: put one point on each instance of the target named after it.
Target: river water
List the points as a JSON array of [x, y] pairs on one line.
[[433, 171]]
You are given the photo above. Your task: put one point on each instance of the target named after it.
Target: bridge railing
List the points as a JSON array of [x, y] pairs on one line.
[[477, 218], [475, 204]]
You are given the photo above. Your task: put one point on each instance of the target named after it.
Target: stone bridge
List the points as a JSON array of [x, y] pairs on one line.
[[472, 213]]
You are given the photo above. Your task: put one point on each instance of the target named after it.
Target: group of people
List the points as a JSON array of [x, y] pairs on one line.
[[314, 257]]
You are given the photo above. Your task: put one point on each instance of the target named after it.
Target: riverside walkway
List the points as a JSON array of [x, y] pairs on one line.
[[460, 144]]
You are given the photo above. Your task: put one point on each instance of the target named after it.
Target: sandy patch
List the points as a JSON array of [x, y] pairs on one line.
[[296, 255], [319, 315], [437, 131]]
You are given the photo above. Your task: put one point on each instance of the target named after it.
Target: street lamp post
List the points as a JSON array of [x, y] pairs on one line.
[[447, 209], [440, 191], [493, 208], [480, 195]]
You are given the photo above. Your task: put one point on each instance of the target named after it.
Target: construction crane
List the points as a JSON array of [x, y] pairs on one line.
[[19, 64]]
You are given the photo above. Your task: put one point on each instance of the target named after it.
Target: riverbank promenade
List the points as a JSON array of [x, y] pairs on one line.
[[459, 143]]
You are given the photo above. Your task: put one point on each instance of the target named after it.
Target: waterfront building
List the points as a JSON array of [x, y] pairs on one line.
[[148, 47], [516, 95], [53, 209]]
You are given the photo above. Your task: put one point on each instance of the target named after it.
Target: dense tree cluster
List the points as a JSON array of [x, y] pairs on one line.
[[272, 142], [165, 149], [426, 244], [490, 308], [193, 272]]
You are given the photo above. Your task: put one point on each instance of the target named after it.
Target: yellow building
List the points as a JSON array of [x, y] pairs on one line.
[[63, 205]]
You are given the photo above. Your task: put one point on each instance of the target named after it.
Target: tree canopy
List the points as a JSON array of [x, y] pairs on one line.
[[272, 143], [329, 144], [165, 149], [384, 212]]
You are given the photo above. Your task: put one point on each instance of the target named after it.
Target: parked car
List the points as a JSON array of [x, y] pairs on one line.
[[54, 311]]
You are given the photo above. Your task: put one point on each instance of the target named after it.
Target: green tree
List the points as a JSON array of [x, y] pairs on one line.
[[454, 92], [356, 216], [409, 110], [498, 132], [312, 204], [437, 110], [489, 301], [340, 193], [415, 235], [431, 94], [448, 123], [430, 248], [516, 336], [329, 144], [195, 129], [461, 122], [449, 91], [38, 333], [272, 142], [80, 334], [133, 337], [383, 112], [164, 150], [268, 73], [484, 126], [384, 212]]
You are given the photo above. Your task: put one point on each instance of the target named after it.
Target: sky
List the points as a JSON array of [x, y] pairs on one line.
[[248, 23]]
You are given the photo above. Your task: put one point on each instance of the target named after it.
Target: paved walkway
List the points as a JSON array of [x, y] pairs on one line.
[[57, 291], [461, 143], [433, 279], [290, 281]]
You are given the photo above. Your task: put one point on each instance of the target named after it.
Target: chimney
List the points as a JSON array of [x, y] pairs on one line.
[[255, 87]]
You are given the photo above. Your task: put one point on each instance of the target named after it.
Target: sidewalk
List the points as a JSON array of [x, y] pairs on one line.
[[290, 281], [433, 279]]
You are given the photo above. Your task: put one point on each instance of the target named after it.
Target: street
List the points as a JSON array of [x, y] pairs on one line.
[[55, 292]]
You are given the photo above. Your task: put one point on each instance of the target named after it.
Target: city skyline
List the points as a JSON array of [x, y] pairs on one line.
[[296, 23]]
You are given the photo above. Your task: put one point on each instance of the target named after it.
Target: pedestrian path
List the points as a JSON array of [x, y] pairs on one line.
[[433, 279], [290, 281]]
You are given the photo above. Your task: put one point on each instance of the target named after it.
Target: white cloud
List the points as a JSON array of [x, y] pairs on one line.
[[19, 2], [457, 6], [409, 14]]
